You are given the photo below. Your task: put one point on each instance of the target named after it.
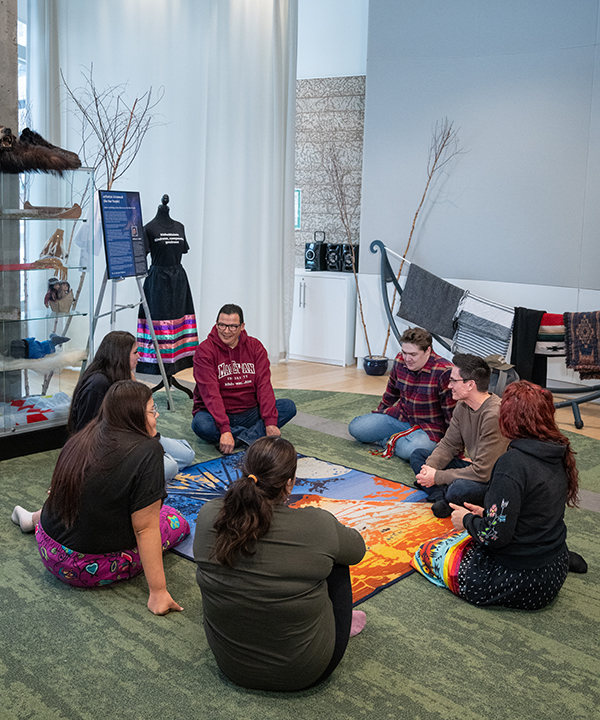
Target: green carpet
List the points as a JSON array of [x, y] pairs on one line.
[[68, 654]]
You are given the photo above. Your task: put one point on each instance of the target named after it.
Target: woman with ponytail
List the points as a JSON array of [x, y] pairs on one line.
[[514, 550], [275, 581]]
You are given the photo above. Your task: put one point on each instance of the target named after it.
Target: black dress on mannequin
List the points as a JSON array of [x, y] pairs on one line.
[[169, 299]]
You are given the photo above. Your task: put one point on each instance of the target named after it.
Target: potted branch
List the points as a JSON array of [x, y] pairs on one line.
[[443, 147], [347, 204], [112, 131]]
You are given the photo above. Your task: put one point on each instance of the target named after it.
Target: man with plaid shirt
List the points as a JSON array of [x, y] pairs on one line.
[[417, 405]]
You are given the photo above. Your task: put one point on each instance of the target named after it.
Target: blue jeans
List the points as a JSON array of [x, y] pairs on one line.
[[178, 455], [378, 428], [458, 492], [246, 426]]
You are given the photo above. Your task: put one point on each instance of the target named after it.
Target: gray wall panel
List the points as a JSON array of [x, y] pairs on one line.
[[520, 205]]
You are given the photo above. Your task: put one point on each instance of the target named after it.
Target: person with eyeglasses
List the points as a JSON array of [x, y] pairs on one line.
[[104, 520], [234, 402], [116, 359], [444, 474]]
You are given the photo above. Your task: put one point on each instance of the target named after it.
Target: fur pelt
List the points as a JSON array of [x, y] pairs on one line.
[[49, 363], [31, 153]]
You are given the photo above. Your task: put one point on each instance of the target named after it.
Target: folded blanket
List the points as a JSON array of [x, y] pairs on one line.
[[551, 335], [484, 327], [582, 335], [430, 302]]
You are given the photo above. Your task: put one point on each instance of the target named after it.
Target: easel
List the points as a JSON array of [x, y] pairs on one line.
[[115, 308], [172, 381]]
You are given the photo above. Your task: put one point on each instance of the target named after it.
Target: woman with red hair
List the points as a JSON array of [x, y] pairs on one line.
[[513, 551]]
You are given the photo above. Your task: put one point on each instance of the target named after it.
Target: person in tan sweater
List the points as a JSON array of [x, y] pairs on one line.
[[445, 475]]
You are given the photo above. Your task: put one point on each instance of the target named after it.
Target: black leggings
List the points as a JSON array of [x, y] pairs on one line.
[[339, 589]]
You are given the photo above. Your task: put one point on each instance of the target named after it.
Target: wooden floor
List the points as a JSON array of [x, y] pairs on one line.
[[299, 375]]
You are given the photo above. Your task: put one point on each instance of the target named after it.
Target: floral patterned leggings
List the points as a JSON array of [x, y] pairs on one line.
[[90, 570]]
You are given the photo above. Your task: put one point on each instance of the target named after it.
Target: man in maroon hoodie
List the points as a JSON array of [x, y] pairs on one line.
[[233, 398]]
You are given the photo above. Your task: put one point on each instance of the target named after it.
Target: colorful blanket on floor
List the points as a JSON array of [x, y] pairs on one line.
[[392, 518]]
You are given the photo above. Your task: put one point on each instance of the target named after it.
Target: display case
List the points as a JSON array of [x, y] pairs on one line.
[[46, 296]]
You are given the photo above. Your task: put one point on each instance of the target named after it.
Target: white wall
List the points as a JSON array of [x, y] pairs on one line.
[[332, 38]]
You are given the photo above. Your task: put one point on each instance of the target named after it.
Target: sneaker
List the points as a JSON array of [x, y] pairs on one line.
[[441, 509]]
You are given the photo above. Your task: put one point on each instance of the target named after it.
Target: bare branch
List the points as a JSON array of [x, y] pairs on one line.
[[111, 129], [347, 206], [443, 148]]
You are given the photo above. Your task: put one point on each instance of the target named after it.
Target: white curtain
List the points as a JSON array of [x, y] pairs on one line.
[[225, 150]]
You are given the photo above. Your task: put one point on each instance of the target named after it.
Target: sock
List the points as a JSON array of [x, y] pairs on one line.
[[576, 563], [359, 620], [23, 518]]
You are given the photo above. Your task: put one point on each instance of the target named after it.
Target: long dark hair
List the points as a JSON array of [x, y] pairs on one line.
[[123, 410], [527, 411], [111, 359], [248, 504]]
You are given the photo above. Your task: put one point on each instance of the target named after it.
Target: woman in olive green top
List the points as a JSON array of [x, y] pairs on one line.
[[275, 581]]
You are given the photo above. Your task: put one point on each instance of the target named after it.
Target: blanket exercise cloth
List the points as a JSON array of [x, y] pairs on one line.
[[392, 517]]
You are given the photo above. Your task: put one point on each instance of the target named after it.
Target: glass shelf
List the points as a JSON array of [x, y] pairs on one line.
[[33, 316], [30, 267]]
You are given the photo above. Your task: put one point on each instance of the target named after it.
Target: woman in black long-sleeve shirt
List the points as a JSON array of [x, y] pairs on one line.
[[514, 550]]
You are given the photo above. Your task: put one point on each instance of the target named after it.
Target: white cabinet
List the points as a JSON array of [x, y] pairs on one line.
[[324, 317]]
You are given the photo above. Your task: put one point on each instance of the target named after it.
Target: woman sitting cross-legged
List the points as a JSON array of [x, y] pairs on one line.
[[104, 519], [116, 359], [275, 581], [514, 550]]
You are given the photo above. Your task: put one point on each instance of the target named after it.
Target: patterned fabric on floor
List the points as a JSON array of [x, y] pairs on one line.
[[391, 517]]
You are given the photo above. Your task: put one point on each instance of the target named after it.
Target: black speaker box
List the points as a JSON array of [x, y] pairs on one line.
[[314, 256], [347, 257], [334, 258]]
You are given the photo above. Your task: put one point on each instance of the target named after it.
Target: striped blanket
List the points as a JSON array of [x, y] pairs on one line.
[[484, 327]]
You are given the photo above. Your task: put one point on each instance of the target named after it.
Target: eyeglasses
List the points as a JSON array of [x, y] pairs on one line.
[[154, 410], [232, 328], [453, 381]]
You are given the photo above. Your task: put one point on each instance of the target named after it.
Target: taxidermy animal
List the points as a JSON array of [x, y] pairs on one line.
[[31, 153]]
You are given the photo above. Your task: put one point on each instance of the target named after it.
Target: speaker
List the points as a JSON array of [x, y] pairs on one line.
[[333, 257], [347, 258], [314, 252], [314, 256]]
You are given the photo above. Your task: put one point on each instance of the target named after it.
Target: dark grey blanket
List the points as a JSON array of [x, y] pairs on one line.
[[430, 302]]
